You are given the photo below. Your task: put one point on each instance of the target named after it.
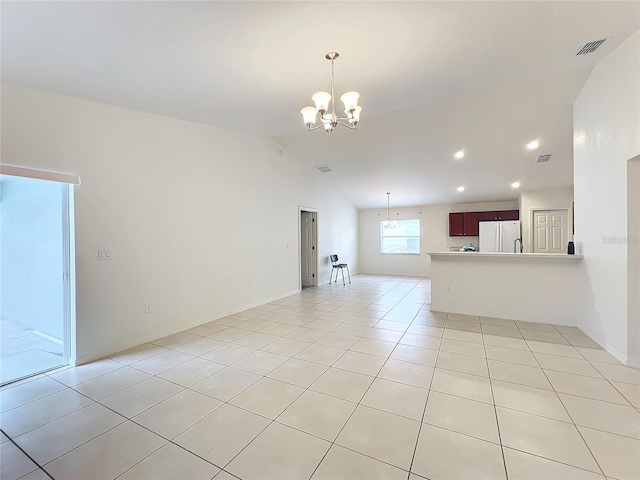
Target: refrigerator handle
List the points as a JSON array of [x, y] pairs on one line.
[[499, 249]]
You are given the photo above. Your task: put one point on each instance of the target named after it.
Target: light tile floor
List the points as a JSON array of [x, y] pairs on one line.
[[360, 381], [24, 351]]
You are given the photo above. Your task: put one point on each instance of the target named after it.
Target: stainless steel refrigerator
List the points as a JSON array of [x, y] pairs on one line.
[[499, 236]]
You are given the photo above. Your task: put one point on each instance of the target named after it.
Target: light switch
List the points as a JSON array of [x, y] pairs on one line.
[[104, 254]]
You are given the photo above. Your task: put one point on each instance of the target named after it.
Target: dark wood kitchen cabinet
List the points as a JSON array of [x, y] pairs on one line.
[[471, 224], [499, 215], [466, 224], [456, 224], [510, 215], [463, 224]]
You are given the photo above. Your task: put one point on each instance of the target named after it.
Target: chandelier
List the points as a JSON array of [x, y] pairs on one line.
[[329, 119], [389, 223]]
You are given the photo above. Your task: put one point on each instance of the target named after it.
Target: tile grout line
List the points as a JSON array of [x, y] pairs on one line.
[[495, 408], [426, 403], [572, 421], [271, 420], [353, 412], [40, 467]]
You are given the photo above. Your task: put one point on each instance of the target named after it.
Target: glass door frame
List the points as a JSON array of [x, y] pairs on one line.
[[67, 182]]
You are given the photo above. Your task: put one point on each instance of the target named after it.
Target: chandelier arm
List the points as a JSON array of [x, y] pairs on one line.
[[348, 125], [315, 127]]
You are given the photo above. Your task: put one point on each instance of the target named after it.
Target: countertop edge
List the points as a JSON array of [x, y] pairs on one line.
[[506, 255]]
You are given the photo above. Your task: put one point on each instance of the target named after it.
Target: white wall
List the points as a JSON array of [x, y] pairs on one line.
[[606, 137], [434, 226], [512, 286], [547, 199], [31, 255], [191, 214]]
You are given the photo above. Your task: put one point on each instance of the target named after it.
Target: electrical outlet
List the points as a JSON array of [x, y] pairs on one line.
[[446, 287], [147, 308]]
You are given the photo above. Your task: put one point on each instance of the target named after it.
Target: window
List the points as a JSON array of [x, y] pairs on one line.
[[404, 238]]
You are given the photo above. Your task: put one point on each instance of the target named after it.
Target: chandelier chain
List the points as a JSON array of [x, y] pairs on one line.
[[333, 94]]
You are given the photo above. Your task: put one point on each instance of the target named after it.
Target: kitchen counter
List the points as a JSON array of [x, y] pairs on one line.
[[532, 287], [507, 255]]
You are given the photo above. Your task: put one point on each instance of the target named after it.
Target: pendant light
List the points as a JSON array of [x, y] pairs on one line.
[[389, 223]]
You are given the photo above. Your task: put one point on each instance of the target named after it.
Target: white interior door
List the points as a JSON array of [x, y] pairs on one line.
[[550, 231], [307, 248]]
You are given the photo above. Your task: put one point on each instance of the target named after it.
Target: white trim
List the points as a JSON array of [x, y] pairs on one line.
[[70, 284], [630, 362], [39, 174]]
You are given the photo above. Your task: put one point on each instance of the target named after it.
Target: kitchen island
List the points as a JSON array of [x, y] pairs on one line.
[[532, 287]]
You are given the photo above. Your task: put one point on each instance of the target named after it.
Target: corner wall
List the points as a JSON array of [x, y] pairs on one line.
[[606, 137], [197, 218]]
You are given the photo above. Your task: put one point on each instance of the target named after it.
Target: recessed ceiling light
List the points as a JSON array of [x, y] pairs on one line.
[[533, 145], [460, 189], [459, 154], [515, 185]]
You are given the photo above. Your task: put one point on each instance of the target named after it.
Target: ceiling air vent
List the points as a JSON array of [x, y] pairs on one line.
[[543, 158], [324, 169], [590, 47]]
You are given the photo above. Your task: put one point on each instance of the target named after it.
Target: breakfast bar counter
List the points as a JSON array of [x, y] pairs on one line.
[[533, 287]]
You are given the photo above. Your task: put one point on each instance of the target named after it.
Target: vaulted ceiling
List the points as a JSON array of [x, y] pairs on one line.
[[434, 78]]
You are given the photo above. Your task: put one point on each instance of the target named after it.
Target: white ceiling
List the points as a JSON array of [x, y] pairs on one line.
[[434, 77]]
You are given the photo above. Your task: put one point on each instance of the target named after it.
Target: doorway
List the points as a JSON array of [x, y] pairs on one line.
[[36, 261], [308, 248], [550, 231]]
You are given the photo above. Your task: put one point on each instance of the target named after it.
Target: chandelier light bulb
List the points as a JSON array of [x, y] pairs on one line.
[[309, 115], [327, 121], [321, 100], [350, 100]]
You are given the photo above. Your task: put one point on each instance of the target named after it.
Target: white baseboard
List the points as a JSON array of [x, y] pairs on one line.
[[97, 356], [630, 362]]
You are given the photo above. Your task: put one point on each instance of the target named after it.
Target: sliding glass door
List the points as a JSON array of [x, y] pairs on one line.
[[35, 274]]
